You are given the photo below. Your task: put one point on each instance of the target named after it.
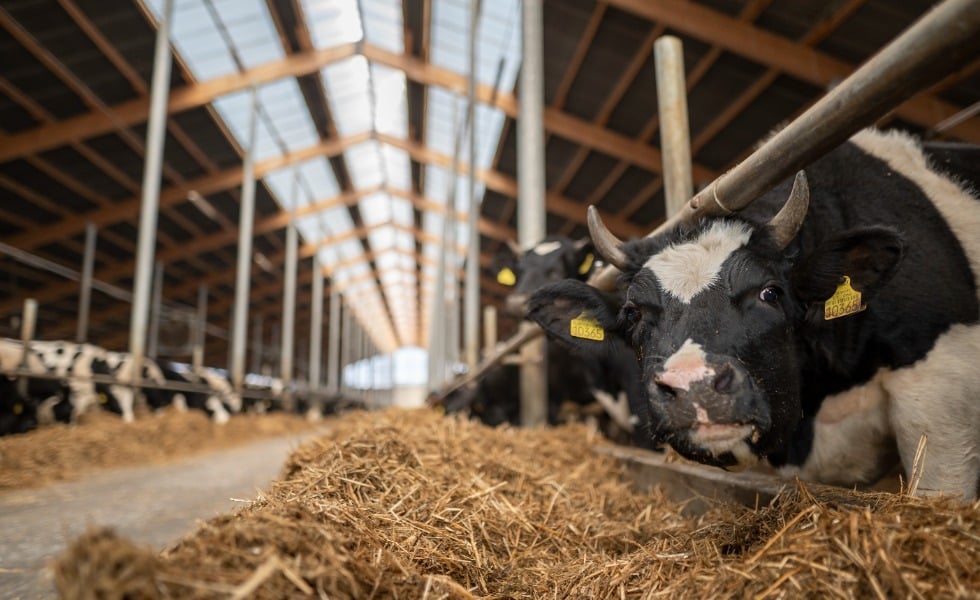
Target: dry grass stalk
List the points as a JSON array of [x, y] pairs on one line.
[[408, 504]]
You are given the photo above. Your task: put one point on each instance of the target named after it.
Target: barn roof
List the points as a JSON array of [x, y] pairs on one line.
[[361, 105]]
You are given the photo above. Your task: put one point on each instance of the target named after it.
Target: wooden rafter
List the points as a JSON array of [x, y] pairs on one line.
[[787, 56]]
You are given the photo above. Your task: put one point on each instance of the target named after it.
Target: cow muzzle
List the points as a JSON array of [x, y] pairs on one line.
[[711, 403]]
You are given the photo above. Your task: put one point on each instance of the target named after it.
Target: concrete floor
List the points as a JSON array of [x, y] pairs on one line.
[[149, 505]]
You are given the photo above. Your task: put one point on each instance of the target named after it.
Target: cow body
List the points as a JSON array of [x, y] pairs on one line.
[[728, 319]]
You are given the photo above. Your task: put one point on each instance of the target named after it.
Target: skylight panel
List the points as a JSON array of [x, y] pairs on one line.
[[284, 105], [381, 239], [443, 113], [383, 23], [375, 209], [387, 260], [333, 22], [391, 115], [401, 212], [309, 227], [397, 167], [250, 27], [436, 184], [285, 186], [319, 181], [347, 85], [364, 164], [235, 109], [338, 219], [197, 39]]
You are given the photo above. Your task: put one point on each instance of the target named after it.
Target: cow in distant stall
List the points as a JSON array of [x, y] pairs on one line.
[[578, 385], [828, 333], [220, 399]]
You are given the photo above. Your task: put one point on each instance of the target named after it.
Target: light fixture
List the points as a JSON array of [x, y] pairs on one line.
[[202, 204]]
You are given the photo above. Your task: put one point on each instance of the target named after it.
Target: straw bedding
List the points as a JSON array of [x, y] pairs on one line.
[[408, 504], [61, 452]]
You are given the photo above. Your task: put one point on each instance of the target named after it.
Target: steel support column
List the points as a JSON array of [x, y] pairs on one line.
[[316, 335], [197, 359], [289, 306], [531, 197], [333, 343], [85, 292], [149, 205], [155, 310], [244, 273]]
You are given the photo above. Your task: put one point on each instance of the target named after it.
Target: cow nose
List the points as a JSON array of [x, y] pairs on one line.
[[723, 379]]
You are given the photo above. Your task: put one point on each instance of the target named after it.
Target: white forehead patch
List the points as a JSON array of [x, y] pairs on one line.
[[546, 248], [684, 270]]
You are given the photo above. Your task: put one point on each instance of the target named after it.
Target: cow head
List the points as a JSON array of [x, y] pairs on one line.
[[554, 259], [716, 313]]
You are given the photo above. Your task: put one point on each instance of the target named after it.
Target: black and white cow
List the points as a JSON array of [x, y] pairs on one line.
[[576, 381], [829, 338], [220, 399]]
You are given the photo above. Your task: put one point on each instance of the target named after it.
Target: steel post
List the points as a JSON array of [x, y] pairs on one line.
[[316, 335], [333, 343], [197, 359], [258, 348], [28, 324], [155, 308], [288, 307], [489, 329], [471, 304], [244, 273], [85, 292], [531, 197], [149, 205]]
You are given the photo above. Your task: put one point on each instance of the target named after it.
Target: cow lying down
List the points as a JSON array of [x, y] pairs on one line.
[[828, 333]]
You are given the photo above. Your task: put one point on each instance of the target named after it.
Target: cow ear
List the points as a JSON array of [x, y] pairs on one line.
[[504, 266], [868, 257], [584, 257], [575, 313]]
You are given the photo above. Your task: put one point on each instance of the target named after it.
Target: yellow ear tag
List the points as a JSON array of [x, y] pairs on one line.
[[18, 408], [586, 264], [587, 329], [845, 301], [506, 277], [103, 399]]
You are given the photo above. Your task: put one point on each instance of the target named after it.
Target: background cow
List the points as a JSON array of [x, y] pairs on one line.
[[579, 386], [753, 339]]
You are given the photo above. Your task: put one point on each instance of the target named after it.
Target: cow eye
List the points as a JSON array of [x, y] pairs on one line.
[[631, 314], [769, 294]]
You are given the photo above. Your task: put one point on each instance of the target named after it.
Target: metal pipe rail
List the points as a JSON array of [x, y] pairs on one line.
[[942, 41]]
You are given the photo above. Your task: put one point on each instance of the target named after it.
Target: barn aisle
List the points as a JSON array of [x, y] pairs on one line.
[[150, 505]]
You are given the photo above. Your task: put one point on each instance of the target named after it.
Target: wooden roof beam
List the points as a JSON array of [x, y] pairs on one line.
[[787, 56]]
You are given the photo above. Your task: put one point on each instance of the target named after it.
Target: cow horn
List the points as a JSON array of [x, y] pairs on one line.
[[514, 247], [605, 242], [787, 222]]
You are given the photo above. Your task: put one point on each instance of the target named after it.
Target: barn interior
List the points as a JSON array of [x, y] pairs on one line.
[[306, 193], [360, 120]]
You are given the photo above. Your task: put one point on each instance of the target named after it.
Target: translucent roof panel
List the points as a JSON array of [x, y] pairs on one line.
[[364, 164], [376, 209], [444, 111], [251, 31], [196, 37], [333, 22], [391, 116], [381, 238], [382, 21], [497, 43], [397, 167], [347, 86], [236, 109], [286, 114]]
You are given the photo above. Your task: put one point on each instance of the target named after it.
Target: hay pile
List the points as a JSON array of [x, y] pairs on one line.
[[407, 504], [61, 452]]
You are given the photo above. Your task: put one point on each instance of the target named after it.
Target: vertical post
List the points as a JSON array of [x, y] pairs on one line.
[[258, 349], [391, 378], [149, 205], [316, 335], [197, 359], [243, 276], [489, 329], [289, 306], [531, 197], [675, 137], [471, 307], [28, 325], [155, 309], [346, 339], [85, 293], [333, 343]]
